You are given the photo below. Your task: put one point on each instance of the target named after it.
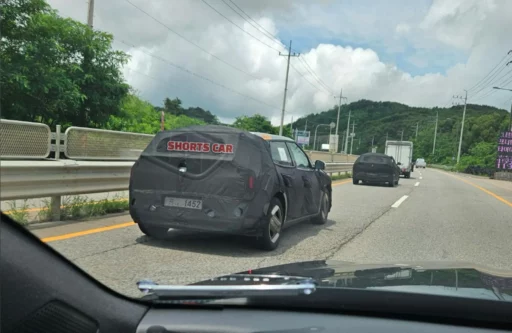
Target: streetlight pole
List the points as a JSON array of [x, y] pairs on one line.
[[316, 129]]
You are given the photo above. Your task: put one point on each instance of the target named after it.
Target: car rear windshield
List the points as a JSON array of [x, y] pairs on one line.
[[201, 151], [376, 159]]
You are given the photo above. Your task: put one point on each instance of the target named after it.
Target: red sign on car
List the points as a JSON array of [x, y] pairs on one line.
[[200, 147]]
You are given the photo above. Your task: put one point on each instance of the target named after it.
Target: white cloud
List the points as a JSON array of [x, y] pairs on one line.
[[481, 29], [402, 28]]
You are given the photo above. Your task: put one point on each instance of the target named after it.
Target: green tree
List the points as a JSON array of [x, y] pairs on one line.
[[173, 106], [256, 123], [141, 117], [45, 76]]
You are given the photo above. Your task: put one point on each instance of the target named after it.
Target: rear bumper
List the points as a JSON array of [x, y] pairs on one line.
[[222, 220], [374, 177]]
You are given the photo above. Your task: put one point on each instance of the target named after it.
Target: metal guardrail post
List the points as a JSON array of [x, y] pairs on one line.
[[57, 142], [56, 202]]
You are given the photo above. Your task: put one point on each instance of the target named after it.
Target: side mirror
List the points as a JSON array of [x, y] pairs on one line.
[[399, 163], [319, 165]]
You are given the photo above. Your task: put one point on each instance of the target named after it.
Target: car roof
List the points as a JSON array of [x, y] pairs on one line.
[[272, 137], [375, 154]]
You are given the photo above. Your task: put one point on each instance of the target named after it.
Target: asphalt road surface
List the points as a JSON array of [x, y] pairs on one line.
[[431, 216]]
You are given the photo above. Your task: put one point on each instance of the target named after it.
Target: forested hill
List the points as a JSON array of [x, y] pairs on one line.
[[378, 119]]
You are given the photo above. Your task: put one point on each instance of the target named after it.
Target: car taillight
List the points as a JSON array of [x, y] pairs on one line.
[[251, 182]]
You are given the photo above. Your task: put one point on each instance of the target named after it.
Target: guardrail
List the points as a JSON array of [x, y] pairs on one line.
[[24, 140], [57, 178]]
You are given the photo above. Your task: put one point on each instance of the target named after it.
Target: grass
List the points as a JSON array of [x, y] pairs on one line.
[[80, 207], [342, 176], [19, 214]]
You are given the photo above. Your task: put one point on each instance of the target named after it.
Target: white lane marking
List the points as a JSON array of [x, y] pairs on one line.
[[399, 201], [418, 183], [421, 177]]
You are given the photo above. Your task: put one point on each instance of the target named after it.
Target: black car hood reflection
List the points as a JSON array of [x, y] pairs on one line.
[[439, 278]]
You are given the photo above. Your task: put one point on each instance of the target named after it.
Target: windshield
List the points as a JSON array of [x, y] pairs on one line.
[[180, 141]]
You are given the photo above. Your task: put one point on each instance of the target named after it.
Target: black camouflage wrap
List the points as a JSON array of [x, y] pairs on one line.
[[220, 180]]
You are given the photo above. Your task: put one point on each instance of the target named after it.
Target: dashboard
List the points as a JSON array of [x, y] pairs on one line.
[[240, 321]]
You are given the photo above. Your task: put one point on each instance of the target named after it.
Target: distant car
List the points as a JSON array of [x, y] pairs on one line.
[[222, 179], [421, 163], [375, 168]]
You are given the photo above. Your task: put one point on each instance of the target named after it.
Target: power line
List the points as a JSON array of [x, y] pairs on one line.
[[191, 42], [490, 81], [310, 70], [201, 76], [271, 37], [485, 78], [307, 80], [236, 25], [259, 25], [504, 82], [276, 39]]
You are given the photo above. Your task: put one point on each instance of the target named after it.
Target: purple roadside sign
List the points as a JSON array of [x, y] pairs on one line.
[[504, 160]]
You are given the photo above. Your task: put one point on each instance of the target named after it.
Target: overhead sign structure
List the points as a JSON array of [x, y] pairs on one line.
[[504, 159]]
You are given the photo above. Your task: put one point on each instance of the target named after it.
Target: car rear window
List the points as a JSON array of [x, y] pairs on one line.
[[201, 151], [376, 159]]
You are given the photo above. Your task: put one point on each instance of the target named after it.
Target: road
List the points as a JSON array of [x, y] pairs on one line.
[[434, 215]]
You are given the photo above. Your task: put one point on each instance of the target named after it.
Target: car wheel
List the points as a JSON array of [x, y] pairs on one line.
[[154, 232], [272, 227], [321, 218], [355, 181]]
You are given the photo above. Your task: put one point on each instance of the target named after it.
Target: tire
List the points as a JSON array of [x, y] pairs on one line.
[[321, 218], [407, 175], [355, 181], [272, 226], [153, 232]]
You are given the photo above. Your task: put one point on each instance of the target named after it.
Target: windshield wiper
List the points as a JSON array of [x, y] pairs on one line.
[[236, 285]]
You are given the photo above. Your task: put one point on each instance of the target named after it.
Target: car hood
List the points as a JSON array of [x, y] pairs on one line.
[[439, 278]]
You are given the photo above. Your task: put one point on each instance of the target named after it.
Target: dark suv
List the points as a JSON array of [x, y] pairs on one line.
[[376, 168], [222, 179]]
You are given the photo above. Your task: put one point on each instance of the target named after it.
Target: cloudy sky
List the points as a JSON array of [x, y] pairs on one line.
[[223, 55]]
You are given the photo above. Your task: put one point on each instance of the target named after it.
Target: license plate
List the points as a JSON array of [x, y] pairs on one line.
[[183, 203]]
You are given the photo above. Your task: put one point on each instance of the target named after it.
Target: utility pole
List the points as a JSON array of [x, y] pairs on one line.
[[462, 126], [90, 13], [435, 134], [352, 141], [289, 55], [339, 109], [348, 130], [402, 136], [373, 137], [417, 125]]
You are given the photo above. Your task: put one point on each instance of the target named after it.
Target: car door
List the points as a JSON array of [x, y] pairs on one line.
[[308, 179], [292, 182]]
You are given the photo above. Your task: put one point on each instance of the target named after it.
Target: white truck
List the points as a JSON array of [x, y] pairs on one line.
[[401, 151]]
